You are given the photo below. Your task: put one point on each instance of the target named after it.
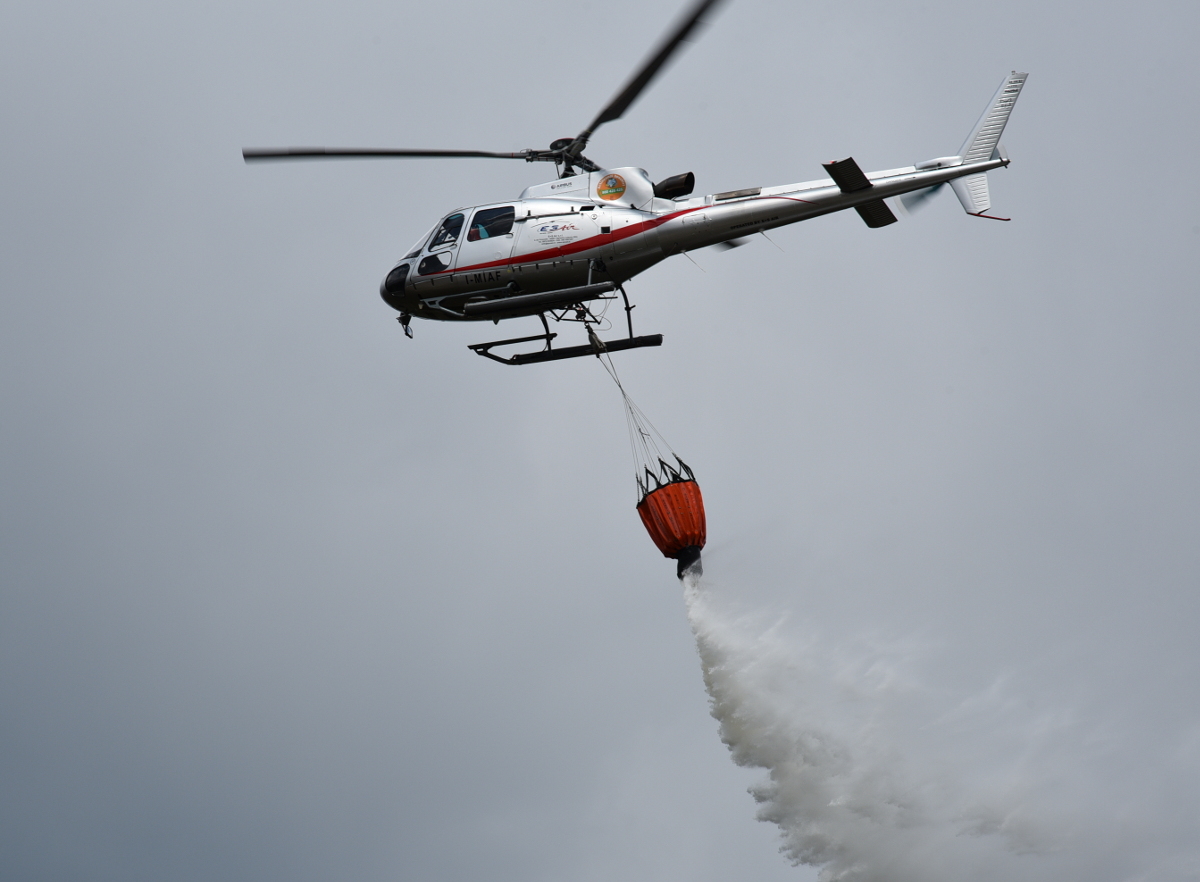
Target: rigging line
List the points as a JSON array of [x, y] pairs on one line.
[[642, 418], [640, 441], [636, 418], [632, 431]]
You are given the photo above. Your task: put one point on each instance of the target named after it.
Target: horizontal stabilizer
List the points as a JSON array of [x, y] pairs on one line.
[[851, 179], [876, 214], [847, 175]]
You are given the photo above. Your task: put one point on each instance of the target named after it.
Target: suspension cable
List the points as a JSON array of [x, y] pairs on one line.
[[646, 442]]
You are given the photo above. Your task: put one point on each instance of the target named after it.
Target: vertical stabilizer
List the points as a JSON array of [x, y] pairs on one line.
[[983, 144], [972, 192], [985, 137]]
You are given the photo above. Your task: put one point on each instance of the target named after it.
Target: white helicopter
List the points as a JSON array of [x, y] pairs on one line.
[[566, 247]]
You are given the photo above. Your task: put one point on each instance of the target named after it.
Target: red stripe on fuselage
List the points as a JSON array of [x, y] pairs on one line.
[[595, 241]]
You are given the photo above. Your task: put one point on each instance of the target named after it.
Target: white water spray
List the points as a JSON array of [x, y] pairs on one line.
[[870, 780]]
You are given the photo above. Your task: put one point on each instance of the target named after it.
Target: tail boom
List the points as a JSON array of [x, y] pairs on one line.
[[704, 222], [709, 220]]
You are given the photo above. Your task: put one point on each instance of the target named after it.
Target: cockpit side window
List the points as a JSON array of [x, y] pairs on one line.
[[447, 233], [434, 263], [491, 222]]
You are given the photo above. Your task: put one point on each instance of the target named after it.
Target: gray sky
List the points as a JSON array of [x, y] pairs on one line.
[[286, 596]]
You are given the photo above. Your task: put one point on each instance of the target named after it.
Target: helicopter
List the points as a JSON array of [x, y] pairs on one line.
[[564, 249]]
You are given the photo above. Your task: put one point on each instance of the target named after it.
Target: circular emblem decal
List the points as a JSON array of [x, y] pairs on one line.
[[611, 187]]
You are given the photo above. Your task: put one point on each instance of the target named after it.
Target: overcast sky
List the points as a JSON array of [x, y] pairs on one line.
[[287, 596]]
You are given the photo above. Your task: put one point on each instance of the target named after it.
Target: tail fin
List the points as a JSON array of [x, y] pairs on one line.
[[985, 137], [984, 143]]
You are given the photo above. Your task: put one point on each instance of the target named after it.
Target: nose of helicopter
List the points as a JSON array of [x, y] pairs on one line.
[[392, 287]]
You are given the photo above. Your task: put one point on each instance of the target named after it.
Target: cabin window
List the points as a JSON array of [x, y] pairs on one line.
[[491, 222], [447, 233]]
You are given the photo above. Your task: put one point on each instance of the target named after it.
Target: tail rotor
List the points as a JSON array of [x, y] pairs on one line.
[[919, 199]]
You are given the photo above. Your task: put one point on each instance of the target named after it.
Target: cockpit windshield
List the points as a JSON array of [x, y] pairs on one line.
[[447, 234], [416, 249]]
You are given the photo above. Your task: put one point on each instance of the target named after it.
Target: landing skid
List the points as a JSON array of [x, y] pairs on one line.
[[549, 354], [595, 346]]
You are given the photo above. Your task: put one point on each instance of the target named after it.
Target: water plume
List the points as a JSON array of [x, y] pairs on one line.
[[872, 775]]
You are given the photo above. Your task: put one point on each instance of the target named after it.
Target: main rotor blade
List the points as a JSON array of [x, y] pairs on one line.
[[254, 155], [642, 78]]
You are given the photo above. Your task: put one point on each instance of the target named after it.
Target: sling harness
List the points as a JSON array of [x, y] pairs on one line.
[[669, 500]]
